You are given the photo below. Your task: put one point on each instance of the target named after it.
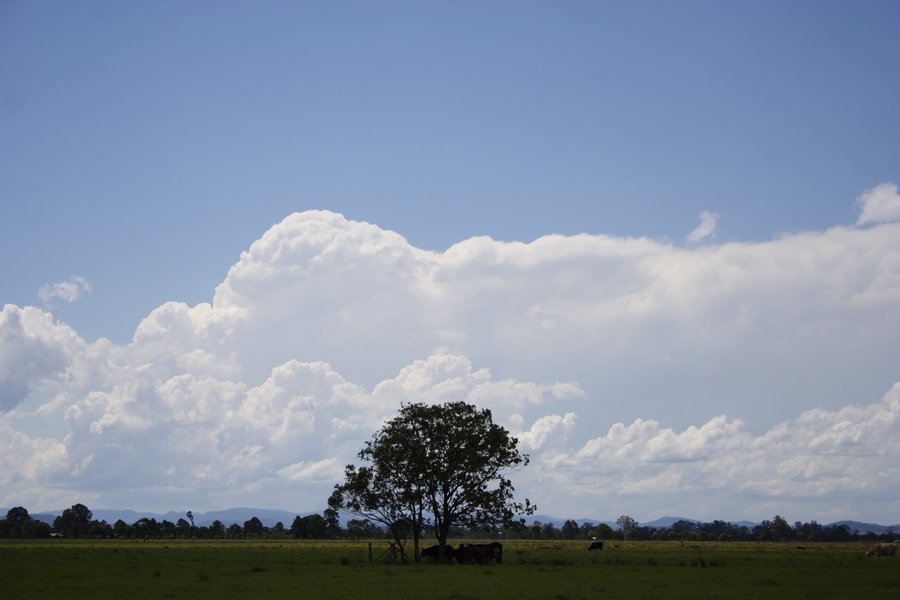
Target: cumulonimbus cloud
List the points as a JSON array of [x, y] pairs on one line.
[[326, 325]]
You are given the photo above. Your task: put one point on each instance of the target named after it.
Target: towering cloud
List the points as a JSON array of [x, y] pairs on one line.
[[633, 371]]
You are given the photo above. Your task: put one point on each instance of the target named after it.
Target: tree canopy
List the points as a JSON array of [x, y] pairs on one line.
[[446, 461]]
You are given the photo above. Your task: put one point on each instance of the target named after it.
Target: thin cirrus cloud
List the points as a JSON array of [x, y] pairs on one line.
[[717, 381]]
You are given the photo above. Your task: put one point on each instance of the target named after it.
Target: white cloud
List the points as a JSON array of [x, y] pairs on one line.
[[706, 228], [828, 460], [325, 326], [69, 290], [296, 428], [552, 429], [880, 204], [33, 349]]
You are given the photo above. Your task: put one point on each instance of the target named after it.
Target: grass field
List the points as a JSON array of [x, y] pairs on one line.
[[540, 570]]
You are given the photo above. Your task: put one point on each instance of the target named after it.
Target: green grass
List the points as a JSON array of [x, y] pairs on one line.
[[540, 570]]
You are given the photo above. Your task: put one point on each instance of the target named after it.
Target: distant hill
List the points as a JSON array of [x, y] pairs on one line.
[[558, 521], [868, 527], [666, 522]]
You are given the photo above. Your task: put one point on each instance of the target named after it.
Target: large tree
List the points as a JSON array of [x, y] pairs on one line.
[[446, 461]]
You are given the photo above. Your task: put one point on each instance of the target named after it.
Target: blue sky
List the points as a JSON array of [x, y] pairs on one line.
[[145, 146]]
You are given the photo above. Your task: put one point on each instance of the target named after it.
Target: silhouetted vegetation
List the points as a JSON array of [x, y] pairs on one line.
[[77, 522]]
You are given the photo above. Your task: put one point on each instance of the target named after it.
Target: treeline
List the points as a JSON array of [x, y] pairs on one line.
[[776, 530], [78, 522]]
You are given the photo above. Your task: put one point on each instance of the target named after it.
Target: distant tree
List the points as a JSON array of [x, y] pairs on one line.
[[628, 526], [190, 517], [145, 528], [253, 526], [16, 523], [167, 529], [362, 528], [18, 514], [311, 526], [602, 531], [840, 533], [332, 522], [570, 530], [684, 530], [234, 531], [780, 529], [217, 529], [99, 529], [516, 529], [121, 529], [549, 532], [586, 529], [297, 527], [183, 527], [74, 522]]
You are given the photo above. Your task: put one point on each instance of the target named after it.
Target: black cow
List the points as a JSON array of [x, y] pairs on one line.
[[596, 546], [434, 552], [480, 553]]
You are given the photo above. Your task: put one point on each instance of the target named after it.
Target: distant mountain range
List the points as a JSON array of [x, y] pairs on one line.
[[269, 517]]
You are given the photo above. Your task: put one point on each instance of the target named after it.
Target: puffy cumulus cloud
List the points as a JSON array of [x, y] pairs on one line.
[[318, 334], [822, 462], [219, 438], [451, 378], [880, 204], [632, 320], [33, 349], [177, 338], [320, 287], [706, 228], [549, 430], [69, 290]]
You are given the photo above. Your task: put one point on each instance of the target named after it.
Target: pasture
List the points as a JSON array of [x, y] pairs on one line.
[[531, 569]]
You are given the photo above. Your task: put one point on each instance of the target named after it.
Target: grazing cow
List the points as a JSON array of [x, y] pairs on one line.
[[882, 550], [434, 552], [596, 546], [480, 553]]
